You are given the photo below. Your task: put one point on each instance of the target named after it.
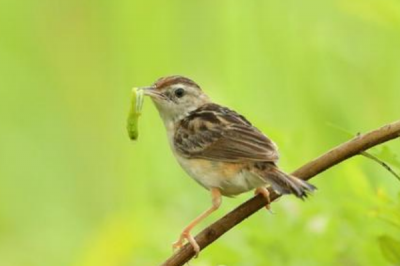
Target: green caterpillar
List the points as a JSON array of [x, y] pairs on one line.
[[134, 113]]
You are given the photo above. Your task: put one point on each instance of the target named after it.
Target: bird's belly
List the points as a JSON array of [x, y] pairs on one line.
[[231, 178]]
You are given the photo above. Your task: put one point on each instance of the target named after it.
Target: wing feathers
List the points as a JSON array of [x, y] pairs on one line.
[[218, 133]]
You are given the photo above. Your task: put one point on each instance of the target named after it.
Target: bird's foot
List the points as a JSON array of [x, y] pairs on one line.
[[186, 235], [265, 193]]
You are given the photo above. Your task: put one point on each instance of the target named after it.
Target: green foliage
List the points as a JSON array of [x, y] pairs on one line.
[[75, 191], [389, 245], [390, 248]]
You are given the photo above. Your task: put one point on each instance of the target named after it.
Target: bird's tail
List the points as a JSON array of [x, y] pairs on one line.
[[286, 184]]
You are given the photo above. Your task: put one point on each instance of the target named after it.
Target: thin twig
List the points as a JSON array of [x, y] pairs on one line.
[[367, 154], [385, 165], [335, 156]]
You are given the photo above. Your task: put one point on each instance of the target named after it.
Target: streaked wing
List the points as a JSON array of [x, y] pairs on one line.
[[217, 133]]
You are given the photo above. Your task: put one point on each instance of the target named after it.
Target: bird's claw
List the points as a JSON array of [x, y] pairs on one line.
[[265, 193], [179, 243]]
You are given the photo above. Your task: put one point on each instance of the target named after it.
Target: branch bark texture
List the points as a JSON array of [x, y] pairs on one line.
[[335, 156]]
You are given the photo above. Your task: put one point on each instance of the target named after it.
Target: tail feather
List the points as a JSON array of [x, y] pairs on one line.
[[286, 184]]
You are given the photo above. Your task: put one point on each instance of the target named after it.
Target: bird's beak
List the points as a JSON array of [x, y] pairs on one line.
[[152, 92]]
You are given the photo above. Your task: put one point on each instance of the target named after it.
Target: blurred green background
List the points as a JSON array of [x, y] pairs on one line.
[[75, 191]]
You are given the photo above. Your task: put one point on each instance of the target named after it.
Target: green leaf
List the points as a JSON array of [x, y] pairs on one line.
[[390, 248]]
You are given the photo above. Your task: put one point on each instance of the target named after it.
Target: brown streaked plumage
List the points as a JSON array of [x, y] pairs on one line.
[[217, 133], [219, 148], [170, 80]]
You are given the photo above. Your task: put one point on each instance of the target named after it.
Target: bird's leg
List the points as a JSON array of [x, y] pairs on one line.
[[216, 202], [264, 191]]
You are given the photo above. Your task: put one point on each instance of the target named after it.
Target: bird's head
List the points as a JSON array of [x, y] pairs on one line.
[[176, 96]]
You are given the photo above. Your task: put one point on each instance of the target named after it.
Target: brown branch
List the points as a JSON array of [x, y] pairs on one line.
[[342, 152]]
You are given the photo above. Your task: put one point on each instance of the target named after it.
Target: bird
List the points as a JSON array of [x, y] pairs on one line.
[[218, 147]]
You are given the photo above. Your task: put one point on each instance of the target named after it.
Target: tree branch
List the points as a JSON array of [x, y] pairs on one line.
[[337, 155]]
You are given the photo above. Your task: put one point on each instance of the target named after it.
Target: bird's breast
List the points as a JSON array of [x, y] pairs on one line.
[[231, 178]]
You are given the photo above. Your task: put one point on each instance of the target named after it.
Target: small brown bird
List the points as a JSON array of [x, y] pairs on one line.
[[219, 148]]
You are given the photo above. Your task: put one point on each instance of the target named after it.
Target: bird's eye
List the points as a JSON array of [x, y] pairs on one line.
[[179, 92]]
